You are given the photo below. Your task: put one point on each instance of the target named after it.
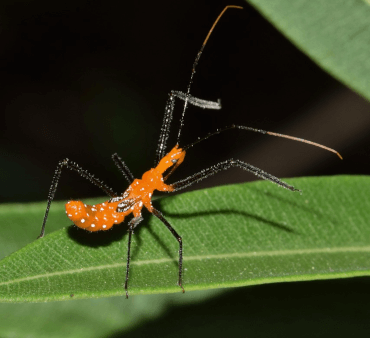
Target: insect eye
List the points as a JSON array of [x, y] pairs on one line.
[[174, 160]]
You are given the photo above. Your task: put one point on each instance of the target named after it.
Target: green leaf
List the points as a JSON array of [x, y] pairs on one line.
[[335, 34], [233, 236]]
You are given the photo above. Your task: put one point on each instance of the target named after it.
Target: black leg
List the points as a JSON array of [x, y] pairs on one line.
[[123, 168], [197, 102], [158, 214], [168, 114], [131, 226], [182, 184], [74, 167]]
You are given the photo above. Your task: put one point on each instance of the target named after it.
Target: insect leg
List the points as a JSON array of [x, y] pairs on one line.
[[168, 114], [123, 167], [159, 215], [74, 167], [182, 184], [187, 98], [131, 226], [197, 102]]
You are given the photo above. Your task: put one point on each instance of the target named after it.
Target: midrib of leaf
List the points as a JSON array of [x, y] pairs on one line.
[[235, 235], [197, 258]]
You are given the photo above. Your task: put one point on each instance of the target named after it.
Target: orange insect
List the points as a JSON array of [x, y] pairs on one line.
[[140, 191]]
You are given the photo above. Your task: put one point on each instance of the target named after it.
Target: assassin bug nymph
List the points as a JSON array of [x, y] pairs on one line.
[[139, 193]]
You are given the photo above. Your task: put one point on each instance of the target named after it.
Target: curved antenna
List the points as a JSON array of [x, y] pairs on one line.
[[215, 23], [218, 131], [195, 64]]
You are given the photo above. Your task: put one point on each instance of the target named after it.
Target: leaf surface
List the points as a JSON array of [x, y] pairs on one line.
[[233, 235], [335, 34]]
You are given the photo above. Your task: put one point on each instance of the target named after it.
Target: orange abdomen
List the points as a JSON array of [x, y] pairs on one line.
[[94, 217]]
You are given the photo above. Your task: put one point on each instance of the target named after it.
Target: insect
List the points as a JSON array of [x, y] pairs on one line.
[[139, 193]]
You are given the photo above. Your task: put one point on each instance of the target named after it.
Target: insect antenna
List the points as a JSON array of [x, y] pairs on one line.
[[219, 131], [194, 66]]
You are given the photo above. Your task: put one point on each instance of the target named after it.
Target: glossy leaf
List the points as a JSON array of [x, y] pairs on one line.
[[233, 236], [334, 34]]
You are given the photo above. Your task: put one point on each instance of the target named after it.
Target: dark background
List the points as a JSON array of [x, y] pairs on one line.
[[85, 79]]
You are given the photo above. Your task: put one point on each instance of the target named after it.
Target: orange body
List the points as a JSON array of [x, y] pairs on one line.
[[104, 215]]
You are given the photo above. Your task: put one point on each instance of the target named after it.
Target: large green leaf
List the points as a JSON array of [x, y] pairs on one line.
[[335, 34], [233, 235]]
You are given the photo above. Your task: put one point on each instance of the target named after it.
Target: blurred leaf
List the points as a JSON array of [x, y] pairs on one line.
[[233, 235], [90, 317], [335, 34]]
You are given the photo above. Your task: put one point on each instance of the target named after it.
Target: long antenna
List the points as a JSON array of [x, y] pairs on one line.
[[219, 131], [194, 66]]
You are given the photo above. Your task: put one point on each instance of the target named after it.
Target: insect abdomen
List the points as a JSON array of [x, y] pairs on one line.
[[94, 217]]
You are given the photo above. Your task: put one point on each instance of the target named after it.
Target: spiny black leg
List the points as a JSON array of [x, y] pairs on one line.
[[165, 130], [130, 231], [131, 226], [182, 184], [205, 104], [123, 168], [54, 184], [187, 98], [168, 114], [158, 214]]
